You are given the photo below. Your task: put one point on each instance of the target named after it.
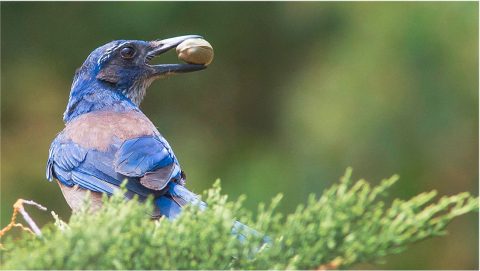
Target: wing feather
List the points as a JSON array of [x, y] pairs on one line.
[[66, 163], [148, 158]]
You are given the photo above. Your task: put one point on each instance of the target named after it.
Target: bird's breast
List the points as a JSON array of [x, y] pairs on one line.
[[99, 130]]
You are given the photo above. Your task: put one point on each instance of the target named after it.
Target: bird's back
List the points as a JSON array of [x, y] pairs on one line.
[[103, 129], [97, 151]]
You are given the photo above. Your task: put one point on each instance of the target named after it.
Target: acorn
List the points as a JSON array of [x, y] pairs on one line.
[[195, 51]]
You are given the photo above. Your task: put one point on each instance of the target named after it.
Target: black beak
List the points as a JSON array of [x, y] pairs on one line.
[[159, 47]]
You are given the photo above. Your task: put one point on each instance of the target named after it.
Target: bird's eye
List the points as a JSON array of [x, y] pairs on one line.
[[127, 52]]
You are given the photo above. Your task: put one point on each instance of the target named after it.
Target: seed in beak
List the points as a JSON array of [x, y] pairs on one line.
[[195, 51]]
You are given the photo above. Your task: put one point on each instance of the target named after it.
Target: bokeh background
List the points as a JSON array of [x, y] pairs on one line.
[[298, 91]]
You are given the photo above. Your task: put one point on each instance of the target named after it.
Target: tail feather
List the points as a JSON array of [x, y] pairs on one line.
[[167, 207], [170, 205]]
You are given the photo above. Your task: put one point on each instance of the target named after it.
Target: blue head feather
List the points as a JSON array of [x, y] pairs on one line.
[[108, 81], [116, 75]]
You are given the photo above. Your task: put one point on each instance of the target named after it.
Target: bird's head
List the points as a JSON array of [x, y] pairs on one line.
[[124, 66]]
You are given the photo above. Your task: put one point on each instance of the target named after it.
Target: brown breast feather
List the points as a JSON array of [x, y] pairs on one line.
[[97, 130]]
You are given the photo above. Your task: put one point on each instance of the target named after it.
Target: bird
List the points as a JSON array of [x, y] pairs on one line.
[[107, 139]]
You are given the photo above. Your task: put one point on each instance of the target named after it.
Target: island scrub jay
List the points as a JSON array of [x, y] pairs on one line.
[[108, 139]]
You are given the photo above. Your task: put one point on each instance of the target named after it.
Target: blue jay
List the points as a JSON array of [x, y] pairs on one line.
[[108, 139]]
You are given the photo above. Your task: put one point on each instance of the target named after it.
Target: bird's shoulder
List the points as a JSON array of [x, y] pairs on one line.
[[99, 130]]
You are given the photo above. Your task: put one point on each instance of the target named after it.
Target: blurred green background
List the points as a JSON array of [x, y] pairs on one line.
[[297, 92]]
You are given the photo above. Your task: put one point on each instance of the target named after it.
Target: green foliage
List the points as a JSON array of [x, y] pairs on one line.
[[347, 224]]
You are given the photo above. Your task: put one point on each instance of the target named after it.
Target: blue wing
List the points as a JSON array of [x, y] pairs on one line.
[[147, 162], [66, 163], [148, 158]]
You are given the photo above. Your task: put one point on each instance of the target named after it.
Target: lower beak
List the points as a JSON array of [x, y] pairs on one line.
[[159, 47]]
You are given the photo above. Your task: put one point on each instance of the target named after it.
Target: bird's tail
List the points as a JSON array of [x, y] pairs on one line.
[[170, 205]]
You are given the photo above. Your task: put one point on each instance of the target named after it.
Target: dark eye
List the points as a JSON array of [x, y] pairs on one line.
[[127, 52]]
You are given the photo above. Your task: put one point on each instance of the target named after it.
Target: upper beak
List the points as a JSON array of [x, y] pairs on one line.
[[158, 47]]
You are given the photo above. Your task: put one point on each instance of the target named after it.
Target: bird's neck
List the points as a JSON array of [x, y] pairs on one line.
[[92, 95]]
